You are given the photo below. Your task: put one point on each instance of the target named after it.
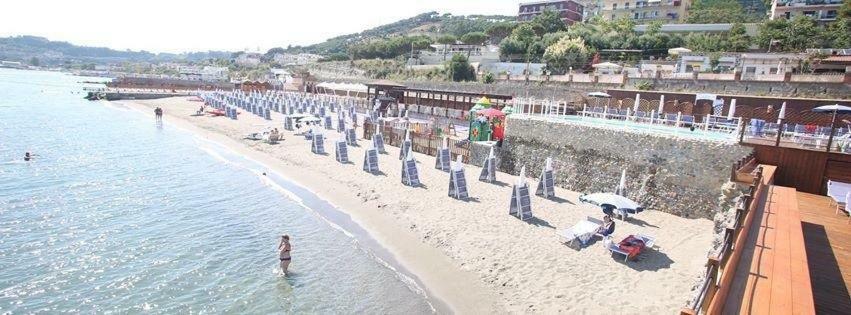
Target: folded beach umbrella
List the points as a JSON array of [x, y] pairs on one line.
[[617, 201]]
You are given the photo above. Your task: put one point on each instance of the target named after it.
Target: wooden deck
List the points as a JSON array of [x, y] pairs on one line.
[[827, 236], [773, 274]]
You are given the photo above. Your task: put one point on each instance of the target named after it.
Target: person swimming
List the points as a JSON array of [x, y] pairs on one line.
[[29, 156]]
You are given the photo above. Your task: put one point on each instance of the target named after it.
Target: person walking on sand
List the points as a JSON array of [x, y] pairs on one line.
[[284, 253]]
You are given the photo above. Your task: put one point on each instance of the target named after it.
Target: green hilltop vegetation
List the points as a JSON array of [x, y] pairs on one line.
[[47, 52], [426, 25]]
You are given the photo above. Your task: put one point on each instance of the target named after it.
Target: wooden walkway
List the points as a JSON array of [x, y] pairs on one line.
[[773, 274], [827, 236]]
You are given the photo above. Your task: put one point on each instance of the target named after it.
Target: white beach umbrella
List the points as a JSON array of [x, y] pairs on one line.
[[407, 134], [621, 189], [410, 155], [782, 114], [635, 104], [732, 110], [617, 201], [661, 104], [598, 94], [458, 165]]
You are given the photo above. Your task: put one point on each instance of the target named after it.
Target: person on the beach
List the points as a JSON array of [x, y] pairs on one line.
[[608, 226], [158, 113], [284, 254]]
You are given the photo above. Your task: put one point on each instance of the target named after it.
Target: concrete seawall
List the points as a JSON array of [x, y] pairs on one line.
[[669, 174]]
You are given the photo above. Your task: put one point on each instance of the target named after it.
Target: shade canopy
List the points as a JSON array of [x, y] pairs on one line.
[[308, 119], [678, 50], [599, 94], [606, 65], [508, 110], [611, 199], [839, 109], [491, 112]]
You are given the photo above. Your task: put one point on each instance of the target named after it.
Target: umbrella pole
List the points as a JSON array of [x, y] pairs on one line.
[[832, 130]]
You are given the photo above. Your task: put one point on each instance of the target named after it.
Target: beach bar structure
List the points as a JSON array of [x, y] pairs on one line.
[[458, 100]]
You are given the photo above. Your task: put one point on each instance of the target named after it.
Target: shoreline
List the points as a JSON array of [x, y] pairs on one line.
[[445, 286], [472, 255]]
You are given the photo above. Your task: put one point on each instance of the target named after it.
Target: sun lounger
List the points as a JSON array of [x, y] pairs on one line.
[[837, 192], [582, 231], [614, 247]]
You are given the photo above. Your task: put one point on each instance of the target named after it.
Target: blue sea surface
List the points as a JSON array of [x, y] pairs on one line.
[[118, 215]]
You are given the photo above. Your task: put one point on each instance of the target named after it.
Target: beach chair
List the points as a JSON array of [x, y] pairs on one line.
[[687, 120], [582, 232], [614, 248]]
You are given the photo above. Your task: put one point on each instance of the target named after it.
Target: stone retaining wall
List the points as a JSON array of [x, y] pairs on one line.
[[674, 175]]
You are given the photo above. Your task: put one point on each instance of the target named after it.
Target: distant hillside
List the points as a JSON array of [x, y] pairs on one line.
[[429, 23], [24, 48]]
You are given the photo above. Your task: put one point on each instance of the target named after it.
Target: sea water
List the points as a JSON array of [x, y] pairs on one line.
[[116, 214]]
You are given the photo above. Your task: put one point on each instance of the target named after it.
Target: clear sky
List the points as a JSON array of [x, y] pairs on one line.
[[195, 25]]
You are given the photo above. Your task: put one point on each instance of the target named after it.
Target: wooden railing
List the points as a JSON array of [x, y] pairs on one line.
[[420, 142], [742, 170], [721, 266]]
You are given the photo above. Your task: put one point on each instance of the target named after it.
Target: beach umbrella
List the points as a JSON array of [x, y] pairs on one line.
[[508, 110], [308, 119], [621, 189], [484, 101], [782, 114], [835, 109], [604, 65], [598, 94], [635, 104], [458, 165], [491, 112], [678, 50], [732, 110], [661, 104], [617, 201]]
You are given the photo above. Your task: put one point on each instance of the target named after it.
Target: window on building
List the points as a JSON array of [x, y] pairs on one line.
[[614, 6], [774, 71], [831, 14], [788, 15], [636, 16], [655, 13], [626, 5]]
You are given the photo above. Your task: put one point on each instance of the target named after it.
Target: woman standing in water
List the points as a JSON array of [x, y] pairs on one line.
[[284, 255]]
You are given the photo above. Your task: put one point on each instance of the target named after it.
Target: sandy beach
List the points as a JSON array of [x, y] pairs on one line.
[[472, 255]]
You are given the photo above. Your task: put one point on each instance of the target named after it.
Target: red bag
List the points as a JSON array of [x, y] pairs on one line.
[[632, 245]]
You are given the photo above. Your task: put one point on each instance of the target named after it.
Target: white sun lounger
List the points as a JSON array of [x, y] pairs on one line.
[[582, 231], [649, 241]]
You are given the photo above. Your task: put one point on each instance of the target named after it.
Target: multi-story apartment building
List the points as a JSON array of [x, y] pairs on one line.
[[644, 11], [569, 10], [822, 10]]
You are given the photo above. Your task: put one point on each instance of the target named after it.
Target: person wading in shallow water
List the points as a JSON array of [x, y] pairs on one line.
[[158, 113], [284, 254]]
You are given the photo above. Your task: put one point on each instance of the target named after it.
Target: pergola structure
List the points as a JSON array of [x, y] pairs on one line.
[[430, 97]]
